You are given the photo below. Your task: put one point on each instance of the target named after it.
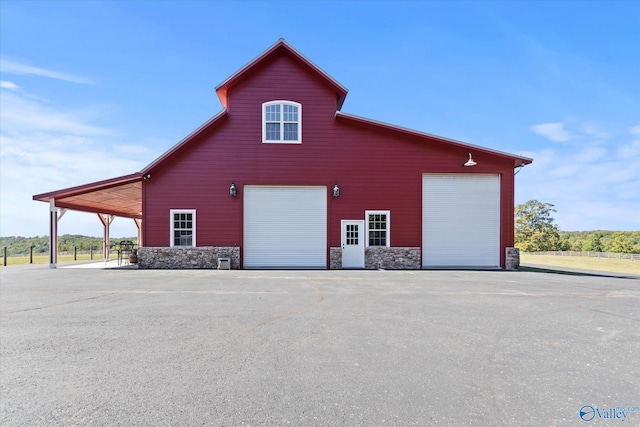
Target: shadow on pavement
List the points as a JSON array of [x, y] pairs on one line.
[[575, 272]]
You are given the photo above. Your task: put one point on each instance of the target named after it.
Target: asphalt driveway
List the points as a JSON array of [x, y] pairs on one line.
[[315, 348]]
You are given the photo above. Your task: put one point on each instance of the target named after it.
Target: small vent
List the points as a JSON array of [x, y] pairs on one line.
[[224, 263]]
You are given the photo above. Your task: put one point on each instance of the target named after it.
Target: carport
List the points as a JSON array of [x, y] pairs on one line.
[[115, 197]]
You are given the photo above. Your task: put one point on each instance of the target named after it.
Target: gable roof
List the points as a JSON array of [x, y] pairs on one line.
[[376, 125], [280, 47]]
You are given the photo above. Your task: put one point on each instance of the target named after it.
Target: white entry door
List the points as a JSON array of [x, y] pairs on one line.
[[352, 244]]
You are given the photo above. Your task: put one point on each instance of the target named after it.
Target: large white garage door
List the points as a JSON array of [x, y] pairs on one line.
[[460, 220], [285, 227]]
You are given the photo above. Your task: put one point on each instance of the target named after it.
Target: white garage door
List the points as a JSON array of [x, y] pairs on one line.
[[460, 220], [285, 227]]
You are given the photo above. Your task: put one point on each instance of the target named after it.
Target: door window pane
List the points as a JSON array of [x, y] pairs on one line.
[[352, 234]]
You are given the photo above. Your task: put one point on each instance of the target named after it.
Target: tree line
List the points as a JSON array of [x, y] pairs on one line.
[[17, 245], [536, 231]]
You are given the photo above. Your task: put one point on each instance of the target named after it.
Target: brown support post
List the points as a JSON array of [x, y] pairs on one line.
[[106, 221], [138, 222]]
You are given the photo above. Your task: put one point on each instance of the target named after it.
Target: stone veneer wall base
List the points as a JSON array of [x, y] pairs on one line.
[[382, 258], [169, 258], [512, 259], [396, 258]]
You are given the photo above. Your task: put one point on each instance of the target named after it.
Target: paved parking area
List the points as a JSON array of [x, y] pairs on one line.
[[317, 348]]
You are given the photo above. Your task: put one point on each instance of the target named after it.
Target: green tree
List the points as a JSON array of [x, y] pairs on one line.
[[620, 243], [593, 243], [534, 228]]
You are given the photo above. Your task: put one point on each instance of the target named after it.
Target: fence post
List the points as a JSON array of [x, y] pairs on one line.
[[91, 252], [31, 254], [75, 253], [5, 256]]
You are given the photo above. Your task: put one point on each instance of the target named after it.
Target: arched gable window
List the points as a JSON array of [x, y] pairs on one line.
[[282, 122]]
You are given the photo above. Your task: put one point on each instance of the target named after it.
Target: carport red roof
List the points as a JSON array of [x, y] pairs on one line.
[[120, 196]]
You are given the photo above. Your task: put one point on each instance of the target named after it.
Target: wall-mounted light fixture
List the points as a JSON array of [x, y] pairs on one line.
[[470, 162], [336, 191], [233, 191], [146, 176]]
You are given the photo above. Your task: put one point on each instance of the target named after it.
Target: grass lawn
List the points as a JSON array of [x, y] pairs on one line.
[[44, 259], [586, 263]]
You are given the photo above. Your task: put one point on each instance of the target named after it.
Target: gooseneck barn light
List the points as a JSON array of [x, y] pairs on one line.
[[233, 191], [470, 162]]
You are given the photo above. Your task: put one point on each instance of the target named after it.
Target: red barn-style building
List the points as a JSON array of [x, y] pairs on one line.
[[282, 178]]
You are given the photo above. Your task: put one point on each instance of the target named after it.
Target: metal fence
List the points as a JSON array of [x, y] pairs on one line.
[[613, 255]]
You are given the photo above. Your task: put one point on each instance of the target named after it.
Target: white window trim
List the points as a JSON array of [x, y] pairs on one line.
[[171, 235], [366, 224], [264, 123]]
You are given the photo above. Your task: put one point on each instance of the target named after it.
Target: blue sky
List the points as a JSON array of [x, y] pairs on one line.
[[94, 90]]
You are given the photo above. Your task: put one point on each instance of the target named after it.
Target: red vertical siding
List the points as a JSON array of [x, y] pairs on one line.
[[375, 170]]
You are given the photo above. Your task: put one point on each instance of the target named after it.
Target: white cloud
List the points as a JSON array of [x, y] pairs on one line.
[[630, 151], [4, 84], [24, 113], [585, 214], [593, 187], [13, 67], [590, 155], [553, 131], [566, 170], [45, 148], [593, 130]]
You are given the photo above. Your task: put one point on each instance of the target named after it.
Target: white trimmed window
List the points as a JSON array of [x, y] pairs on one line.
[[183, 227], [377, 228], [282, 122]]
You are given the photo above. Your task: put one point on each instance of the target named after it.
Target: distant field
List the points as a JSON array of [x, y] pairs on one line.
[[44, 259], [586, 263]]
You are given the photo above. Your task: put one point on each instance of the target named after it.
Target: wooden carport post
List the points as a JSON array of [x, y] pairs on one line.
[[106, 221], [138, 222], [54, 217]]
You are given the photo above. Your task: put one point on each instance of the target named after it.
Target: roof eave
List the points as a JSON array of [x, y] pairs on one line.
[[85, 188]]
